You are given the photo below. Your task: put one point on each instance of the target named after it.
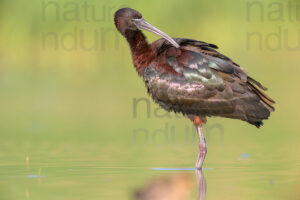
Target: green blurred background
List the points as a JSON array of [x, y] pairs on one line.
[[69, 127]]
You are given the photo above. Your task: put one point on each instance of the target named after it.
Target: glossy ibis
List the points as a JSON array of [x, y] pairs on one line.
[[192, 78]]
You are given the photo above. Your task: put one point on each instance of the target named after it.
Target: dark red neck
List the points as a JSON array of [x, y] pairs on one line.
[[141, 51]]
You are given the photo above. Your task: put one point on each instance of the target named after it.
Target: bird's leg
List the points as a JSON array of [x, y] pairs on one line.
[[201, 184], [202, 146]]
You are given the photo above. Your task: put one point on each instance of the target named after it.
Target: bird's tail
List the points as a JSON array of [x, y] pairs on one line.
[[258, 88], [267, 102]]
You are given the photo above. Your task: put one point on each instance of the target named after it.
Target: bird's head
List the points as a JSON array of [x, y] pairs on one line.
[[130, 19]]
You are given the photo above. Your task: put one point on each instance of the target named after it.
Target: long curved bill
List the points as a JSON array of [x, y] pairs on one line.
[[142, 24]]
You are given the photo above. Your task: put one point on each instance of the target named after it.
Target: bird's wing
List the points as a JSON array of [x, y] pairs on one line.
[[196, 79]]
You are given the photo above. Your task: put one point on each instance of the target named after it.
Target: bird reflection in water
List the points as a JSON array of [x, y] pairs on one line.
[[174, 187]]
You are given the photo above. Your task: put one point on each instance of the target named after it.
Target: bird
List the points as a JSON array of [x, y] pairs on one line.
[[192, 78]]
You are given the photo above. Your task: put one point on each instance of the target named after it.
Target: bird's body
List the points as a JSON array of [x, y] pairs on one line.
[[191, 77], [197, 80]]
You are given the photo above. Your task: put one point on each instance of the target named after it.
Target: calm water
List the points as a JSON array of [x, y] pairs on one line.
[[65, 178]]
